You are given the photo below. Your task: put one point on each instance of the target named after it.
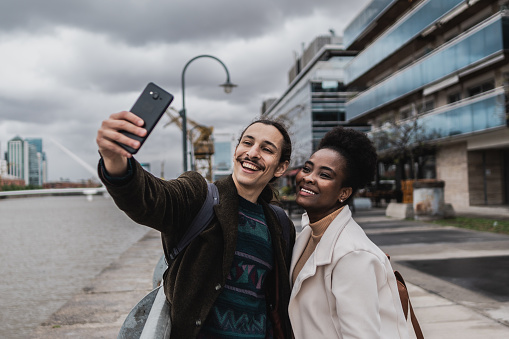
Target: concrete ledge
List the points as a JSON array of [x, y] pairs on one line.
[[449, 211], [400, 211], [362, 203]]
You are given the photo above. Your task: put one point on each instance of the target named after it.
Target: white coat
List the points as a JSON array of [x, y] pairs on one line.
[[347, 287]]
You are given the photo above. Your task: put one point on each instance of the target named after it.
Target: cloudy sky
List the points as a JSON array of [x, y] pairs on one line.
[[67, 65]]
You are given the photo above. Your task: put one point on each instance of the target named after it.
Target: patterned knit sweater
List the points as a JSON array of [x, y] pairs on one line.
[[240, 311]]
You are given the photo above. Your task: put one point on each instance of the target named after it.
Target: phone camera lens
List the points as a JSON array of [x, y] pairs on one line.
[[155, 95]]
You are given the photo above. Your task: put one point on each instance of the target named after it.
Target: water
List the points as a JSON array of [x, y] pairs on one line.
[[52, 247]]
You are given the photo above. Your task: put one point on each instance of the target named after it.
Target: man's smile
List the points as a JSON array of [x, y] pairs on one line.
[[250, 166]]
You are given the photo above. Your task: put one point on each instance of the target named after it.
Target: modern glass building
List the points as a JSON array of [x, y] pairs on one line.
[[26, 160], [37, 162], [443, 65], [17, 158], [314, 101]]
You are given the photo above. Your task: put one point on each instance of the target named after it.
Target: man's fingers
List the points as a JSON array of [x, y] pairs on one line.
[[110, 149], [129, 116], [108, 138], [124, 125]]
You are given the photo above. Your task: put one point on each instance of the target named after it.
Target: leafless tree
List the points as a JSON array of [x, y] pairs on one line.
[[401, 142]]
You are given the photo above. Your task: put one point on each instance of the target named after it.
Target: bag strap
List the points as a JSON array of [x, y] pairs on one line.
[[406, 299], [285, 225], [200, 221], [206, 213]]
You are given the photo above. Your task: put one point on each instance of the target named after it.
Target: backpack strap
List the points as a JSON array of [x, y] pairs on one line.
[[206, 213], [200, 221], [285, 225]]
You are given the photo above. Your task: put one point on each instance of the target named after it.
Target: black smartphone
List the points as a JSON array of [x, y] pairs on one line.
[[150, 106]]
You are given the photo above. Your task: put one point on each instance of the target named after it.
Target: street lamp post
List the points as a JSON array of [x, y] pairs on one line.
[[228, 87]]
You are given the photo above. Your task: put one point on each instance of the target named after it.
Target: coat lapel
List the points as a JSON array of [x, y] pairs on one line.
[[227, 212], [325, 248], [300, 243], [323, 251]]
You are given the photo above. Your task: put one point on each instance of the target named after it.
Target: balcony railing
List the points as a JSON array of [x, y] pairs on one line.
[[364, 19], [401, 33], [472, 48], [475, 114], [471, 115]]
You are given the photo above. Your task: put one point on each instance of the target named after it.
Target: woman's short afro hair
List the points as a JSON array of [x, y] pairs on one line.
[[358, 152]]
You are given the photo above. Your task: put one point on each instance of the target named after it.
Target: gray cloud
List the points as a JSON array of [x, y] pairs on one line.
[[143, 22], [67, 65]]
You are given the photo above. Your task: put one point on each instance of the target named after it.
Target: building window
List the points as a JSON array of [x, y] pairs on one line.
[[328, 116], [328, 86], [484, 87], [405, 113], [426, 106], [454, 97]]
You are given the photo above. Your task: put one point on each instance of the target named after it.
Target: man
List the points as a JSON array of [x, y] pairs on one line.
[[233, 277]]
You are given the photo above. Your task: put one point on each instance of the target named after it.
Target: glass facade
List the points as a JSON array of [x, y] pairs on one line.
[[313, 104], [475, 45], [310, 113], [328, 108], [402, 32], [34, 166], [16, 154], [35, 161], [472, 115], [364, 19], [298, 117]]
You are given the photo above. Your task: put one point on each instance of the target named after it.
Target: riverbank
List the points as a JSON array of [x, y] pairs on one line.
[[51, 248], [99, 309]]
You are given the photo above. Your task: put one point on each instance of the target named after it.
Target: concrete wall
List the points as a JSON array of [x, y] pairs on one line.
[[452, 167]]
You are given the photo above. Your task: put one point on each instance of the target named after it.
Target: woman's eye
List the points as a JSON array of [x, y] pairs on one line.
[[305, 169], [325, 175]]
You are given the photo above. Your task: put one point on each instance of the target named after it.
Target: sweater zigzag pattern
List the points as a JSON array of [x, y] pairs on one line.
[[240, 311]]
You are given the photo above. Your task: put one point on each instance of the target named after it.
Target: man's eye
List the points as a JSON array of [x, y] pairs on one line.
[[325, 175], [266, 149]]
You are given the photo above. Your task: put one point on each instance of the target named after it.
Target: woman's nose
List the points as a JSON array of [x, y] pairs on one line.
[[309, 177]]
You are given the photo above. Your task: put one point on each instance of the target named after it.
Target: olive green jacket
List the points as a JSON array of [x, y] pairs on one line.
[[196, 278]]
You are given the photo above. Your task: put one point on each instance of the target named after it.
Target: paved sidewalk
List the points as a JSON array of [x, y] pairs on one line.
[[100, 309], [445, 310]]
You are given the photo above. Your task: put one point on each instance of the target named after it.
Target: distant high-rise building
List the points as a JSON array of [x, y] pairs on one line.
[[17, 158], [37, 162], [26, 160]]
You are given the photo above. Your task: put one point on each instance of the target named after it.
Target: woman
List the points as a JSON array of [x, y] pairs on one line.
[[343, 284]]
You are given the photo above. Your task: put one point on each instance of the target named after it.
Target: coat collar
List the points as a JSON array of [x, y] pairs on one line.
[[323, 251]]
